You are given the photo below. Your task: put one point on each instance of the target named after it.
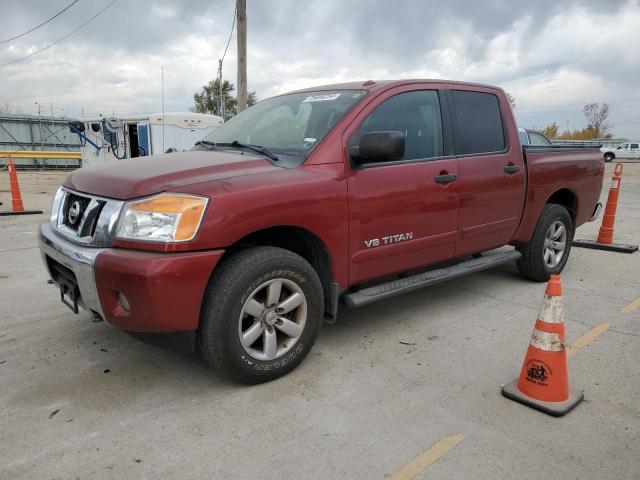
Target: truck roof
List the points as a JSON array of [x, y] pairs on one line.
[[375, 85]]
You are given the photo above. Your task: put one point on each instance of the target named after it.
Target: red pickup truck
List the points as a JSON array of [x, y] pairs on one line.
[[353, 192]]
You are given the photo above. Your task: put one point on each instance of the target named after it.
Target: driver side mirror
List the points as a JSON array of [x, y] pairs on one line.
[[379, 147]]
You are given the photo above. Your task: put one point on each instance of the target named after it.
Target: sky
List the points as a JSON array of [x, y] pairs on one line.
[[553, 56]]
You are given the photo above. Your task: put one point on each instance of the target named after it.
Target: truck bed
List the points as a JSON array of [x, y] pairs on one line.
[[573, 171]]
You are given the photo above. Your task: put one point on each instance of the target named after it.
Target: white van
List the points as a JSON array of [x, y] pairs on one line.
[[109, 139]]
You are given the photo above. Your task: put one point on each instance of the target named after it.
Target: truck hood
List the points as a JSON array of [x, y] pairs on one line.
[[138, 177]]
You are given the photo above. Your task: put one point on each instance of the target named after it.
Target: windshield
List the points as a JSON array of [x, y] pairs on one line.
[[288, 126]]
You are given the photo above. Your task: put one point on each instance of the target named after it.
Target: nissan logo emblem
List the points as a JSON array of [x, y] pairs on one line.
[[74, 212]]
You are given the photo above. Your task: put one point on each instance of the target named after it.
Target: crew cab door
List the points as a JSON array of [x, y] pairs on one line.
[[634, 150], [622, 151], [402, 213], [491, 170]]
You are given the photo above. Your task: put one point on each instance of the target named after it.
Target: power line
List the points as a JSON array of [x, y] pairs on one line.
[[221, 103], [43, 23], [233, 24], [59, 40]]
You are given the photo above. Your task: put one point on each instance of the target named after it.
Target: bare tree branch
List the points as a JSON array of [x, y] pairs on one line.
[[596, 118], [6, 107]]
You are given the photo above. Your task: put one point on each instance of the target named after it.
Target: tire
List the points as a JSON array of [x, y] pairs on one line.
[[243, 284], [535, 264], [608, 157]]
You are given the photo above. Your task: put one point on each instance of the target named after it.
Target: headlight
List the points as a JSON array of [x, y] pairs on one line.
[[162, 218], [55, 205]]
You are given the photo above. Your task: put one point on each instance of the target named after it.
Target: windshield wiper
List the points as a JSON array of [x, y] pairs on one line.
[[256, 148], [206, 142]]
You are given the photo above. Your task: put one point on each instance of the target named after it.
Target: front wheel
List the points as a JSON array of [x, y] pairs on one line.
[[261, 314], [548, 250], [608, 157]]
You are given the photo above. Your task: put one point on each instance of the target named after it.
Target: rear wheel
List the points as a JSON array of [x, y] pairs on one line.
[[549, 248], [608, 157], [261, 314]]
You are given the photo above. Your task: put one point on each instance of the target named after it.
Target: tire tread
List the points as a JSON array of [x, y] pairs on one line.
[[530, 264], [226, 278]]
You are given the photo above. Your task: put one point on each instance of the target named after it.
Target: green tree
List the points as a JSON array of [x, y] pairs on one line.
[[208, 99]]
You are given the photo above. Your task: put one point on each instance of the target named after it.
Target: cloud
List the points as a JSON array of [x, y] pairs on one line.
[[554, 56]]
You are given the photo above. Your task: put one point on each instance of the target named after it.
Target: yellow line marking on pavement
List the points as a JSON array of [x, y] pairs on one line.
[[632, 307], [587, 338], [423, 461]]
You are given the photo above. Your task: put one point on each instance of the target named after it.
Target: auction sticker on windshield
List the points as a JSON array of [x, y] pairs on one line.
[[326, 97]]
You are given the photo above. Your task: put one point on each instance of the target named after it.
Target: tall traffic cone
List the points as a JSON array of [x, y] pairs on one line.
[[16, 198], [544, 382], [605, 236]]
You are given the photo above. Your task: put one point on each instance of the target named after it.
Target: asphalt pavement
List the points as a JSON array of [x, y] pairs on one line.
[[407, 387]]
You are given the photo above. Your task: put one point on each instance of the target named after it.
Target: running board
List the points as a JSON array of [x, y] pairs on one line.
[[415, 282]]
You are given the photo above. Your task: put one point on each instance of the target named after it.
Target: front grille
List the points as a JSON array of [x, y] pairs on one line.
[[85, 219], [74, 209]]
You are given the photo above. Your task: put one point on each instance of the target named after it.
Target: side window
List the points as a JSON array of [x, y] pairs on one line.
[[479, 122], [537, 139], [416, 115], [634, 145], [524, 139]]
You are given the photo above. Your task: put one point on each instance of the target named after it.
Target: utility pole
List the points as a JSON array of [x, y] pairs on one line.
[[241, 8], [221, 102]]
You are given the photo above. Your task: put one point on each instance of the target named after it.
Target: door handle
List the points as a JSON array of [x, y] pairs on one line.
[[511, 168], [446, 178]]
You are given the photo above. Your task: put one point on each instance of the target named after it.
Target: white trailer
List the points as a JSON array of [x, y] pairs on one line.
[[110, 139]]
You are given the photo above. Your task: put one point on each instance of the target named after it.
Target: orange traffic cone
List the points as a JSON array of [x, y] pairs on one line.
[[16, 198], [544, 382], [605, 235]]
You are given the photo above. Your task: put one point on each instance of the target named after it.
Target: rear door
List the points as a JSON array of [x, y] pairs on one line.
[[491, 170], [403, 213], [634, 151], [622, 151]]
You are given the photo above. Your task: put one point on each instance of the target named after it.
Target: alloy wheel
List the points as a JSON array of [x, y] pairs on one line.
[[555, 244], [272, 319]]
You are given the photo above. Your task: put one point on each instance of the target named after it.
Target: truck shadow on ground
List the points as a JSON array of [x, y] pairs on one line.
[[115, 371], [393, 312]]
